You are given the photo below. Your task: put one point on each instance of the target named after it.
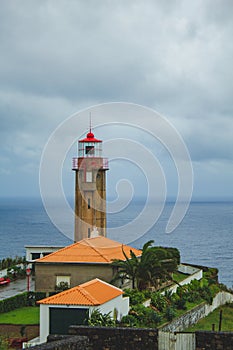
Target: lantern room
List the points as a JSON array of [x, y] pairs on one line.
[[90, 147]]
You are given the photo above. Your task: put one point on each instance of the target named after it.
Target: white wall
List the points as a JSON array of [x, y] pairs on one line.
[[194, 276], [44, 318], [220, 299], [120, 304], [44, 323], [40, 250], [188, 269]]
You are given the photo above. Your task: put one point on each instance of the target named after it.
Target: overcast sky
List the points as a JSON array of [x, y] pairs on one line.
[[58, 57]]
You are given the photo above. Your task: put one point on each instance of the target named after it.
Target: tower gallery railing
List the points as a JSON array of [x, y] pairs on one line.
[[95, 162]]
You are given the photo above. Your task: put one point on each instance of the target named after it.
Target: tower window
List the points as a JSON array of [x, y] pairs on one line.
[[89, 150], [88, 203], [89, 232], [88, 176]]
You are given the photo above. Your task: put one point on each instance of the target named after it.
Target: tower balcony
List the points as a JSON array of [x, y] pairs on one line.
[[90, 163]]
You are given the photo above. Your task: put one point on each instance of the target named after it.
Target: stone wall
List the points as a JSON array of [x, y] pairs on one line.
[[128, 339], [186, 320], [191, 317], [65, 343], [118, 338], [193, 274], [214, 340]]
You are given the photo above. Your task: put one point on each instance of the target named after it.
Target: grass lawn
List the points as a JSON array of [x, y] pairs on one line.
[[24, 315], [213, 318], [178, 276]]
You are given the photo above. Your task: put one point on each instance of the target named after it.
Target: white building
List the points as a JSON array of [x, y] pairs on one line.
[[34, 252], [75, 305]]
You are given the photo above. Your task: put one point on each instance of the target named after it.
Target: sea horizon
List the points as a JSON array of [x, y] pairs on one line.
[[204, 237]]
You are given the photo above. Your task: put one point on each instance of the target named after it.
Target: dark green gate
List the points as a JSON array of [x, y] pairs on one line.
[[60, 319]]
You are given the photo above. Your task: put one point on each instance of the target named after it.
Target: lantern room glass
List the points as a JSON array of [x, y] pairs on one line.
[[89, 149]]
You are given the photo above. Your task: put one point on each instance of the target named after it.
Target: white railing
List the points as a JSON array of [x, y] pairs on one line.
[[100, 163]]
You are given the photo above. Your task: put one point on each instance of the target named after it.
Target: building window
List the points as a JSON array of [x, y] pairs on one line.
[[63, 280], [88, 203], [44, 254], [35, 256], [89, 232], [88, 176]]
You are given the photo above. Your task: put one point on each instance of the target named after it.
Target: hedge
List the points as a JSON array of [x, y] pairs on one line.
[[20, 300]]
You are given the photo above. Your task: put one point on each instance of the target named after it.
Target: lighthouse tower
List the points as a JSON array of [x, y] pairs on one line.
[[90, 188]]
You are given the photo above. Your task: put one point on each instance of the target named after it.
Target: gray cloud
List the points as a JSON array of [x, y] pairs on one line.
[[58, 57]]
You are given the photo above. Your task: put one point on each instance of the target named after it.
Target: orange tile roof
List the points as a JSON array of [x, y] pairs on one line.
[[94, 292], [92, 250]]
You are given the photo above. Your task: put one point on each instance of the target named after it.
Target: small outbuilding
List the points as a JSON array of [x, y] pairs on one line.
[[74, 306]]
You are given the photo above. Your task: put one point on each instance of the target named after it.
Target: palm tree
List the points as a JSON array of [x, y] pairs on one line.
[[126, 269], [155, 264]]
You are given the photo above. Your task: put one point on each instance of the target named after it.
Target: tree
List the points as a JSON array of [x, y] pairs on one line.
[[156, 264], [126, 269]]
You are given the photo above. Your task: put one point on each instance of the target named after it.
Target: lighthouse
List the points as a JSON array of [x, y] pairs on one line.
[[90, 188]]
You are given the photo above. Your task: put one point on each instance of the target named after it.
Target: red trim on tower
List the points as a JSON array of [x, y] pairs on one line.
[[90, 138]]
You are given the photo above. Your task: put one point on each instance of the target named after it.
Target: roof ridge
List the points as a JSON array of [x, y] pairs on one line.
[[95, 280], [97, 250], [89, 296], [109, 284]]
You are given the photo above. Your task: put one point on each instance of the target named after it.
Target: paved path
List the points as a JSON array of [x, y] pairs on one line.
[[15, 288]]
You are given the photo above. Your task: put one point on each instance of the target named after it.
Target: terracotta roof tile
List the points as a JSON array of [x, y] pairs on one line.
[[92, 250], [92, 293]]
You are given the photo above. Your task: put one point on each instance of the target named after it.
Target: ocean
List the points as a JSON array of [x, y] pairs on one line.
[[204, 237]]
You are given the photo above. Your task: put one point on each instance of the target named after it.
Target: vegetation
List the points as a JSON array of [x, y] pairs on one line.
[[24, 315], [61, 287], [136, 296], [164, 307], [213, 318], [3, 344], [10, 262], [211, 274], [155, 266], [141, 316], [20, 300], [12, 303], [178, 276], [15, 272], [101, 320]]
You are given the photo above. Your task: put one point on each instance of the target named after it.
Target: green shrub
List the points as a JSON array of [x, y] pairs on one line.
[[135, 296], [206, 294], [129, 321], [146, 317], [159, 301], [20, 300], [170, 313], [12, 303], [102, 320], [3, 344], [181, 304], [152, 318], [61, 287]]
